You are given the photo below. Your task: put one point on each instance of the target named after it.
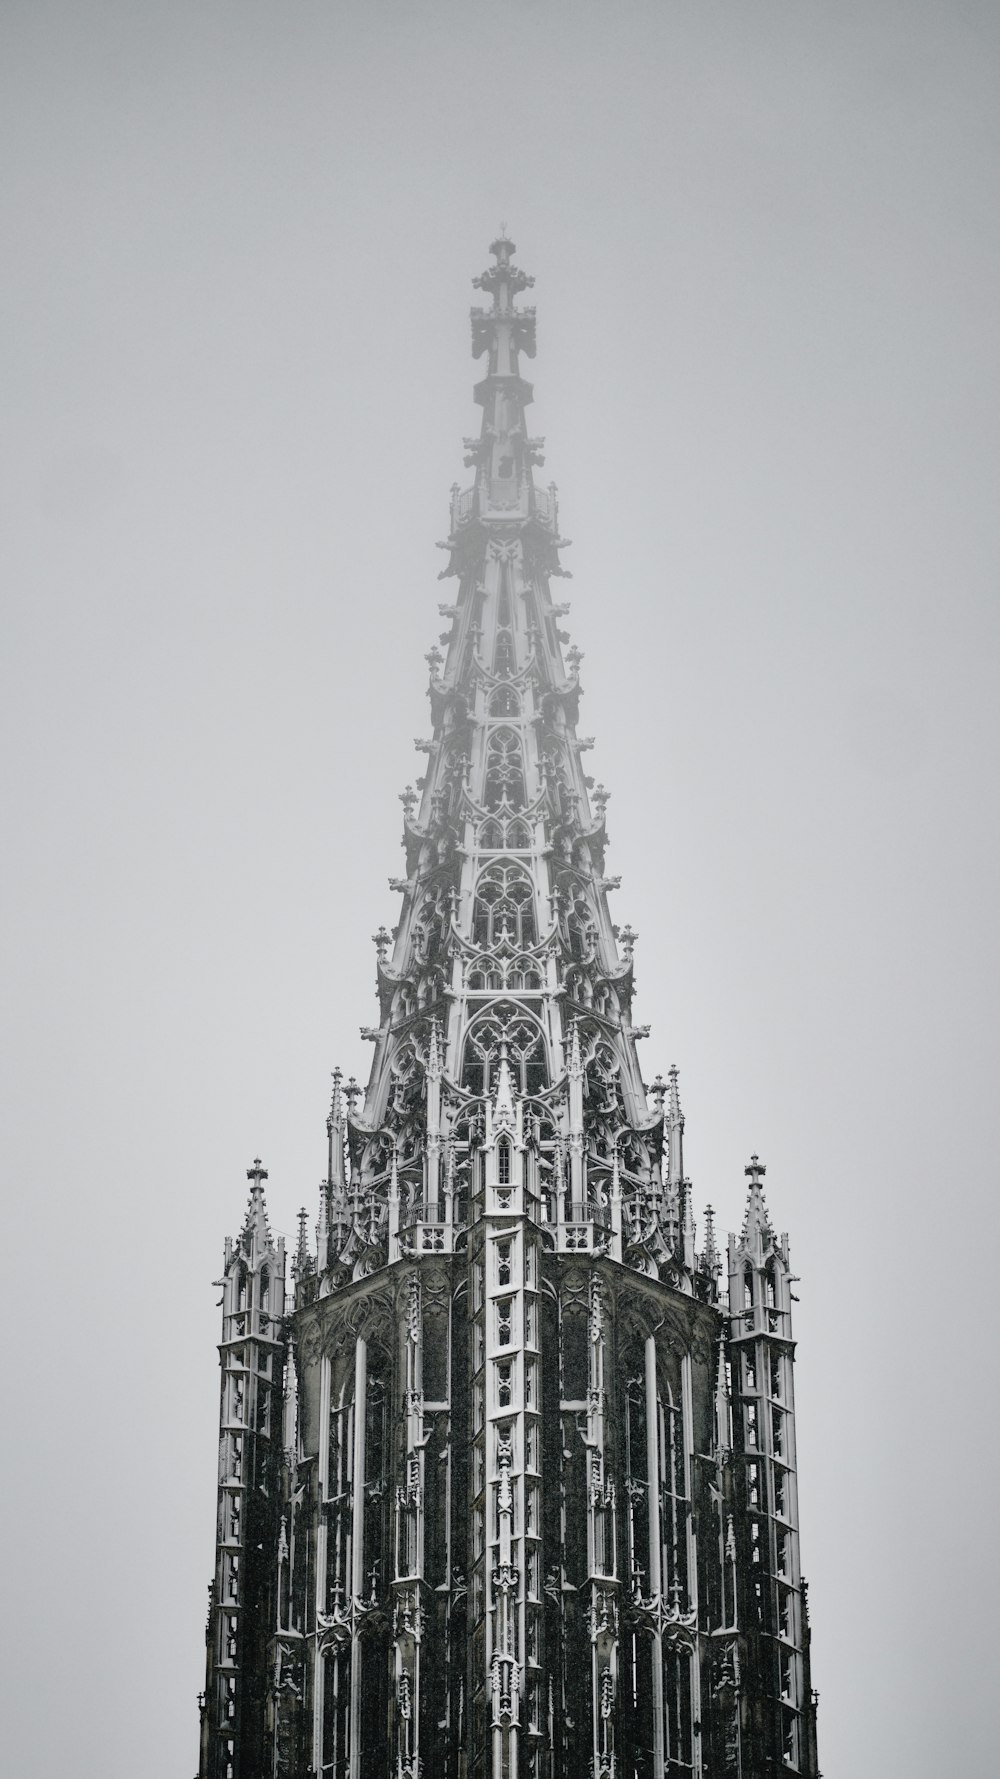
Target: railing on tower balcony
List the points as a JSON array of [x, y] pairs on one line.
[[579, 1223], [433, 1228], [585, 1211], [422, 1213]]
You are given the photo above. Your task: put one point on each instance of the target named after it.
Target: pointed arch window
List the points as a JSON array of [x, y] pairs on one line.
[[505, 1024], [265, 1288], [505, 702], [504, 907], [504, 770], [498, 835], [503, 656], [503, 1162]]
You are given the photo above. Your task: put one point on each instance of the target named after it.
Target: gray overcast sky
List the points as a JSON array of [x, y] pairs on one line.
[[238, 241]]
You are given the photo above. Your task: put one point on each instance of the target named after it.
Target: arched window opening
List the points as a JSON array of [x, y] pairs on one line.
[[505, 702], [637, 1474], [241, 1289], [498, 835], [504, 908], [505, 1025], [748, 1288], [504, 770], [503, 657], [265, 1288], [503, 1162], [769, 1285]]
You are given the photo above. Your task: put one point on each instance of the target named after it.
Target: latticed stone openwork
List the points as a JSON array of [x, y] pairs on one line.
[[509, 1492]]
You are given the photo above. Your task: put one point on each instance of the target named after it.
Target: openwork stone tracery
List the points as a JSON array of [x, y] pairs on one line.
[[509, 1493]]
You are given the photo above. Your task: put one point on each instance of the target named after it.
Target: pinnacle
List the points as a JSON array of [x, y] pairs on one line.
[[256, 1229], [302, 1247], [756, 1218]]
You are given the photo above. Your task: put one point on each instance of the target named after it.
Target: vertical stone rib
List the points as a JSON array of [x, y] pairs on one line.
[[655, 1550], [358, 1546]]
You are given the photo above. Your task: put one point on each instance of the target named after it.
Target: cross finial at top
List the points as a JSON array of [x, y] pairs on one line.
[[258, 1172], [755, 1170]]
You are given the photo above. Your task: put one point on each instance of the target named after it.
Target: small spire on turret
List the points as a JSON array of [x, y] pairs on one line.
[[710, 1259], [335, 1134], [303, 1260], [756, 1221], [675, 1131], [687, 1223], [256, 1224], [336, 1077]]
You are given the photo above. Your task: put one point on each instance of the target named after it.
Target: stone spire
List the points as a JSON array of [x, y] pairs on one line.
[[505, 940], [756, 1223]]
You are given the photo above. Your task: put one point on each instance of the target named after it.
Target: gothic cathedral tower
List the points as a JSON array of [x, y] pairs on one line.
[[507, 1488]]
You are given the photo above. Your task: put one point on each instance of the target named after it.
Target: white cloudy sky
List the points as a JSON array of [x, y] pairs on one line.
[[238, 240]]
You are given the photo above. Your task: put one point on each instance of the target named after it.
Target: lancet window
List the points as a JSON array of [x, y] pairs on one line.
[[339, 1482], [504, 834], [503, 655], [504, 907], [504, 770], [673, 1491], [637, 1480], [678, 1710], [521, 975]]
